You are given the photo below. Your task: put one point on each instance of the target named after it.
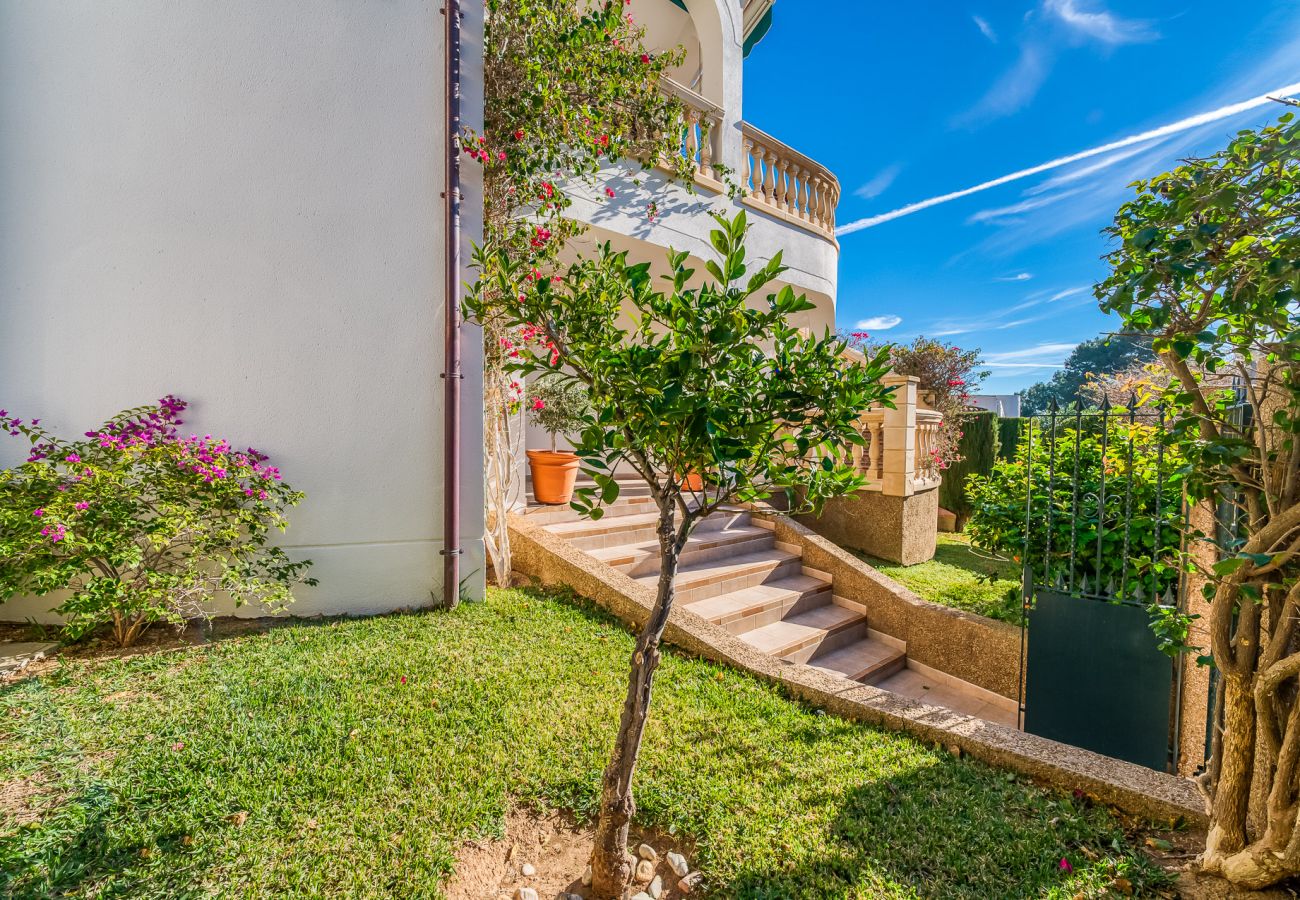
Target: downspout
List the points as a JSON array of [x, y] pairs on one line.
[[452, 375]]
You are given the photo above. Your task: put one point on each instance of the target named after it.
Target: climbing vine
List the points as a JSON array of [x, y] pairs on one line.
[[570, 92]]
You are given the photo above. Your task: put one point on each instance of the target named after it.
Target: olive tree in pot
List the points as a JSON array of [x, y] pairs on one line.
[[559, 406], [690, 381]]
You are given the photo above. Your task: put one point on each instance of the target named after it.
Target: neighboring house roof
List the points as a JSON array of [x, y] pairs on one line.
[[758, 19]]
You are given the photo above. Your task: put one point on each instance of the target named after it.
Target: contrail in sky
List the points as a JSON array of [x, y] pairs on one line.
[[1204, 118]]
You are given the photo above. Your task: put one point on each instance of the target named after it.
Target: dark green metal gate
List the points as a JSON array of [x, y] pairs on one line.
[[1102, 519]]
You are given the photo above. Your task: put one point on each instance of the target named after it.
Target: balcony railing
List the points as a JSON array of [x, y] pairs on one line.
[[781, 180], [701, 132], [774, 178]]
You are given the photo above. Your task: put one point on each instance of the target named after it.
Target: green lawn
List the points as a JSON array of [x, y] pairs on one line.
[[357, 784], [959, 578]]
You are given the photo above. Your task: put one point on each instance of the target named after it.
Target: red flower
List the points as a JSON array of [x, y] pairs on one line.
[[539, 404], [603, 140], [955, 382], [519, 135], [645, 59], [609, 192], [1065, 866]]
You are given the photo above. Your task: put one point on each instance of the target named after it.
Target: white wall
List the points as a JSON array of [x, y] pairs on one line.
[[238, 202]]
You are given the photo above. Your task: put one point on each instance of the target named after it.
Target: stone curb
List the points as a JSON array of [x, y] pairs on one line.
[[1131, 788]]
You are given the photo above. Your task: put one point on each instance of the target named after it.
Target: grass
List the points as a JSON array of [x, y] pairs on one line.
[[959, 578], [299, 763]]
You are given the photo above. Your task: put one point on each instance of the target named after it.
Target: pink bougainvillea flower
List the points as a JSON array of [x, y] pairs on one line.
[[1065, 866], [609, 192], [38, 512], [955, 382], [83, 505], [539, 404], [178, 746], [73, 458], [402, 679]]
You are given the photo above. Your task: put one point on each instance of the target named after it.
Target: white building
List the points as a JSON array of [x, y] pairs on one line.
[[1005, 405], [242, 203]]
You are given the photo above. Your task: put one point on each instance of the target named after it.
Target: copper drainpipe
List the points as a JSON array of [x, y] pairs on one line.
[[452, 376]]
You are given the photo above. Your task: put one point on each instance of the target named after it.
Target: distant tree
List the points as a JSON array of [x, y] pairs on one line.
[[946, 375], [1101, 356]]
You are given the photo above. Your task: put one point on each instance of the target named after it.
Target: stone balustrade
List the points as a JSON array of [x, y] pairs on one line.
[[898, 457], [784, 182], [701, 132]]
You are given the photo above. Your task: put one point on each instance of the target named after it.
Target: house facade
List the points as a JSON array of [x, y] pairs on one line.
[[244, 203]]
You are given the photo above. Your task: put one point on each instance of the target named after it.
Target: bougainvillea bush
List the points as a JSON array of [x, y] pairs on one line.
[[140, 524]]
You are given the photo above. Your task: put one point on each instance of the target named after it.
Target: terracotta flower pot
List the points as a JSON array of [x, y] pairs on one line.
[[693, 481], [554, 473]]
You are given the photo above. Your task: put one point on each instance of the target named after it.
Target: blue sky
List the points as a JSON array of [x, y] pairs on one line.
[[910, 101]]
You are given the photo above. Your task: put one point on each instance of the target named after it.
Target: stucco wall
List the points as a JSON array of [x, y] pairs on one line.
[[238, 202]]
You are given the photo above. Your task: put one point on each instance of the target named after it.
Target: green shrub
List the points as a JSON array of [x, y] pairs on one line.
[[1067, 512], [976, 453], [1010, 430]]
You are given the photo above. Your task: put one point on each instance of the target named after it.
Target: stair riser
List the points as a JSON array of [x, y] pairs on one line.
[[648, 563], [739, 582], [832, 640], [639, 533], [880, 673], [757, 618], [551, 515]]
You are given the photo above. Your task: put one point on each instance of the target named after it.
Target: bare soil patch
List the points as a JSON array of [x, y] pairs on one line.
[[558, 848]]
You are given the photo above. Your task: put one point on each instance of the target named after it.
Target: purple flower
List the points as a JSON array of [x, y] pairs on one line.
[[73, 458], [83, 505], [38, 512]]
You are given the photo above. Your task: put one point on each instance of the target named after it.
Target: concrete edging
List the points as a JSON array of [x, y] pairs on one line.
[[1131, 788]]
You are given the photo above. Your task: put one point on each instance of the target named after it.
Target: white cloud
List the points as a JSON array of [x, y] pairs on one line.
[[879, 183], [985, 28], [879, 323], [1144, 137], [1014, 90], [996, 215], [1019, 276], [1100, 25], [1048, 355], [1068, 292]]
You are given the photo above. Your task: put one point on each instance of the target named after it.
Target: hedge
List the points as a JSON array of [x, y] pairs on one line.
[[979, 451]]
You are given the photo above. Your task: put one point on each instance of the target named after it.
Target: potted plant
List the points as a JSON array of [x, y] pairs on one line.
[[557, 404]]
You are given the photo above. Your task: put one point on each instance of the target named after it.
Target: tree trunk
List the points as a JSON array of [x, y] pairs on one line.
[[612, 867]]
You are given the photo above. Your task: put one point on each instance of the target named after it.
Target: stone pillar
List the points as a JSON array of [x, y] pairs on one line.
[[1194, 696], [900, 438]]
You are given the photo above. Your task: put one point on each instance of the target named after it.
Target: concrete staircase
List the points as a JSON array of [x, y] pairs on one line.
[[734, 573]]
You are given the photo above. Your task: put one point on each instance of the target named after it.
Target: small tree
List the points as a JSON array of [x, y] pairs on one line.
[[1209, 262], [691, 380], [557, 405]]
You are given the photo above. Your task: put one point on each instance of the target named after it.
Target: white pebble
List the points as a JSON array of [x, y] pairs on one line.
[[645, 851], [525, 893], [678, 864], [528, 870], [656, 887]]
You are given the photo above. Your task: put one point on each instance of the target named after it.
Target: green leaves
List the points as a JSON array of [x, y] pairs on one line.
[[697, 379]]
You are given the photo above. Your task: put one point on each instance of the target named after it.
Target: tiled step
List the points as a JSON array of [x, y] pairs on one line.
[[818, 630], [712, 578], [605, 532], [643, 558], [867, 660], [753, 607], [624, 506]]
